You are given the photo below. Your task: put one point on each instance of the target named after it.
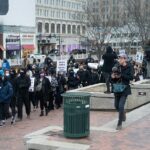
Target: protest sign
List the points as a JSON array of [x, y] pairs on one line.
[[139, 57], [62, 66]]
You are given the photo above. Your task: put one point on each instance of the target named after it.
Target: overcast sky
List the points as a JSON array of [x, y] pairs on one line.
[[21, 12]]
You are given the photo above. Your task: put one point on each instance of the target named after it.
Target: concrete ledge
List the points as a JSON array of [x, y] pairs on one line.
[[100, 101], [42, 144]]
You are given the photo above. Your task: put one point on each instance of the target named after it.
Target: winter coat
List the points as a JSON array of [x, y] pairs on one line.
[[46, 88], [109, 60], [72, 82], [94, 78], [22, 84], [5, 65], [126, 77], [6, 92], [61, 84], [89, 60], [84, 76]]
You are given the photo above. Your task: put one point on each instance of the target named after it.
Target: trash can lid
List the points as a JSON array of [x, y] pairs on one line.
[[76, 94]]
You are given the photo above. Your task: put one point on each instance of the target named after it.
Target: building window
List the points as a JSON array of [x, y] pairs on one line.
[[46, 27], [69, 29], [78, 30], [58, 28], [83, 30], [63, 28], [39, 27], [52, 28], [74, 29]]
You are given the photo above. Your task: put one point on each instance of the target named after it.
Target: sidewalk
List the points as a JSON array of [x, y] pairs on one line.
[[136, 136]]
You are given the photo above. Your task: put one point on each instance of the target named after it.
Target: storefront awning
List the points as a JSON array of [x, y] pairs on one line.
[[28, 47], [2, 48]]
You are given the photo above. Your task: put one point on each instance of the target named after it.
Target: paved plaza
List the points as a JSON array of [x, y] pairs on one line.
[[135, 134]]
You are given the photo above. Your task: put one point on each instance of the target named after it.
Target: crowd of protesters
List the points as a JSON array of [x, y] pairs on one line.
[[46, 93], [16, 92]]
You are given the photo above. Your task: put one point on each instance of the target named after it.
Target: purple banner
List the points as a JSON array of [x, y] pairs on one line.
[[13, 47]]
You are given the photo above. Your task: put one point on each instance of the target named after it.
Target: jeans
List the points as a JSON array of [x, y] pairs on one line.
[[120, 101]]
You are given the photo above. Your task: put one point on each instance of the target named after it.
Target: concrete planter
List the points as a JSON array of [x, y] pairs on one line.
[[100, 101]]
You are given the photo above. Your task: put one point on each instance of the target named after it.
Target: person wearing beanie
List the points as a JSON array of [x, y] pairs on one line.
[[109, 61]]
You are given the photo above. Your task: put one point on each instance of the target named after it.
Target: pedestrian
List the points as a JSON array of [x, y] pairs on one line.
[[73, 80], [13, 103], [22, 88], [6, 92], [43, 87], [53, 92], [109, 61], [94, 77], [62, 87], [89, 60], [122, 74], [5, 65], [25, 62]]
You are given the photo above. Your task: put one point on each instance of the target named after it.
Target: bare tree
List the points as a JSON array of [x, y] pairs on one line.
[[139, 18]]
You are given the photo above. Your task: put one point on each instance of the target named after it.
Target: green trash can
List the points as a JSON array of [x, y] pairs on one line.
[[76, 114]]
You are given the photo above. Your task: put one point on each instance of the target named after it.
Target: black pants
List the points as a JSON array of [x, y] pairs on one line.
[[4, 111], [32, 98], [37, 98], [52, 97], [23, 98], [13, 105], [58, 99], [43, 101], [107, 80], [120, 101]]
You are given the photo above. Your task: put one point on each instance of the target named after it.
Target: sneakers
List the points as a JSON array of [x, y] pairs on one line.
[[2, 123], [119, 127], [13, 119]]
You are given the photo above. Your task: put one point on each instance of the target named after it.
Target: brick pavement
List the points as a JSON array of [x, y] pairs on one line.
[[134, 137]]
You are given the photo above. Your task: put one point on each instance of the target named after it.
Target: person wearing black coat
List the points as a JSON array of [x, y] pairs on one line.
[[22, 87], [109, 61], [61, 88], [13, 103], [44, 87], [72, 80], [122, 73], [94, 77], [84, 76], [89, 60]]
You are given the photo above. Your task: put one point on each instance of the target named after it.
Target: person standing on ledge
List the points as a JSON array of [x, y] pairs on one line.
[[122, 73], [109, 61]]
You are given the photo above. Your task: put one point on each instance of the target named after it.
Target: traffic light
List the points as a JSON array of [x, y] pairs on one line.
[[4, 7]]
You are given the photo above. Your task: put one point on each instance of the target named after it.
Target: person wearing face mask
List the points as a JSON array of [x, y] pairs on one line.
[[13, 103], [22, 87], [122, 73], [6, 92], [43, 87]]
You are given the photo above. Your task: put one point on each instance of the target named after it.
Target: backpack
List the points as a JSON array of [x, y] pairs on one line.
[[38, 88], [54, 83]]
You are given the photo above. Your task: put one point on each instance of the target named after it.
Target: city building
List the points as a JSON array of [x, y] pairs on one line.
[[17, 30], [126, 29], [60, 25]]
